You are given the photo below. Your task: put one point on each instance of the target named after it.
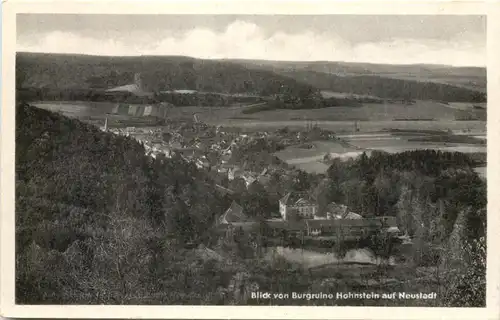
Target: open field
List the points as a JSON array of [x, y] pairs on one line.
[[348, 126], [318, 148], [399, 145], [464, 105], [409, 140], [310, 160], [77, 108], [96, 109], [313, 167], [371, 117], [421, 110]]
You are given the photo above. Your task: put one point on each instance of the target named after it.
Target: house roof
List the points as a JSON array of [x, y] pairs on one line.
[[296, 198], [352, 215], [209, 254], [223, 190], [249, 176], [233, 214]]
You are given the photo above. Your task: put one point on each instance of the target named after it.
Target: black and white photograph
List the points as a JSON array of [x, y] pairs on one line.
[[334, 160]]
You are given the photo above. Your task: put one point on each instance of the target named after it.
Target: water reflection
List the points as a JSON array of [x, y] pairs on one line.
[[311, 259]]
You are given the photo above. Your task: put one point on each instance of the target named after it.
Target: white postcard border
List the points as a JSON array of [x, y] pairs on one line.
[[7, 227]]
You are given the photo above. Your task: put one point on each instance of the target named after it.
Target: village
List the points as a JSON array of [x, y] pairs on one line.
[[299, 218]]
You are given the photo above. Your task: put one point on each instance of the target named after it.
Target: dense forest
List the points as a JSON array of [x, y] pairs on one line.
[[71, 73], [93, 212], [98, 222], [157, 73], [438, 200]]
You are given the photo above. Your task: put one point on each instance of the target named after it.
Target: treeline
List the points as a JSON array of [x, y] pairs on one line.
[[389, 88], [99, 95], [203, 99], [368, 175], [312, 100]]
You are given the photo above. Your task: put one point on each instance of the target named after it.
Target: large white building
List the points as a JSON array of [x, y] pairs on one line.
[[297, 205]]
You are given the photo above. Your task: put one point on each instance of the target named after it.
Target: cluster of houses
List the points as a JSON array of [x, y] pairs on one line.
[[301, 217], [195, 142]]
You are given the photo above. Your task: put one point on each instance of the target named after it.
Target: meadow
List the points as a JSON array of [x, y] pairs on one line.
[[250, 125], [76, 109], [369, 111], [370, 117], [312, 159]]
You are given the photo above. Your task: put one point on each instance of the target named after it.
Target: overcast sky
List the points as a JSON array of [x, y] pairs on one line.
[[452, 40]]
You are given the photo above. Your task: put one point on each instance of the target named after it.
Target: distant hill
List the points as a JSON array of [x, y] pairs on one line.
[[468, 77], [388, 88], [62, 71], [265, 78]]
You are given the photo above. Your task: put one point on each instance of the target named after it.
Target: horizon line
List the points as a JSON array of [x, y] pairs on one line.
[[256, 60]]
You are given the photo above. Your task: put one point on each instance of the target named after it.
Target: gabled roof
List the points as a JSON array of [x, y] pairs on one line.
[[249, 175], [233, 214], [352, 215], [223, 190], [296, 198]]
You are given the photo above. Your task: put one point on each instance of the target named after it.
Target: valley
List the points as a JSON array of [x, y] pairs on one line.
[[202, 185]]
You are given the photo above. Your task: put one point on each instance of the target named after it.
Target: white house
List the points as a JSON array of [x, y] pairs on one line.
[[297, 204]]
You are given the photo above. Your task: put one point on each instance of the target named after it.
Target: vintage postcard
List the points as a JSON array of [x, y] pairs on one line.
[[250, 160]]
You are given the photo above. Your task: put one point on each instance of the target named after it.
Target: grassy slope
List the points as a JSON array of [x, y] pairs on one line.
[[368, 112]]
